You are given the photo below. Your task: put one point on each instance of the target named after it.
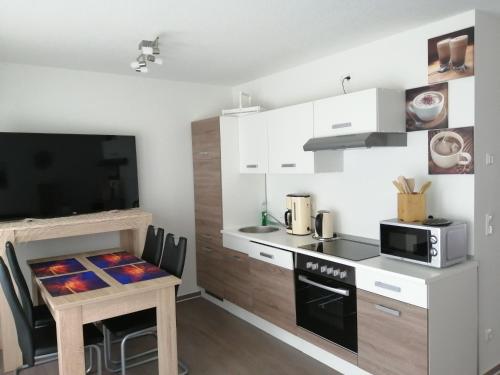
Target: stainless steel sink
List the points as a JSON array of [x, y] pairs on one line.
[[258, 229]]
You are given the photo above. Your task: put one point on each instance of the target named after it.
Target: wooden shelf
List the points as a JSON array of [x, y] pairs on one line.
[[132, 225]]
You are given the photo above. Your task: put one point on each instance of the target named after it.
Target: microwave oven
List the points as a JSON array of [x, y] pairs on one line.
[[435, 246]]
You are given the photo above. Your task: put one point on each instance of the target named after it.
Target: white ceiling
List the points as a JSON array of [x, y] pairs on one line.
[[213, 41]]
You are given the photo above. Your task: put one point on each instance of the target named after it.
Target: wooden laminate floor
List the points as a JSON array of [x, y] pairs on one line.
[[214, 342]]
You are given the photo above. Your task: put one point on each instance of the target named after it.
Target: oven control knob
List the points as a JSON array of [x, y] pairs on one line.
[[434, 252], [309, 265], [343, 274], [336, 272], [315, 266], [329, 270], [323, 269], [433, 240]]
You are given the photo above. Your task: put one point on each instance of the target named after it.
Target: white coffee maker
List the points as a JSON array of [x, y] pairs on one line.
[[298, 214]]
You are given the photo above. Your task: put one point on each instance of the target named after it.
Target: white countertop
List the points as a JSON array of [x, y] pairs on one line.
[[417, 273]]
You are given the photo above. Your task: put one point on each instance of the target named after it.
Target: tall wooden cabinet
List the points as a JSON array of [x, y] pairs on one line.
[[208, 205]]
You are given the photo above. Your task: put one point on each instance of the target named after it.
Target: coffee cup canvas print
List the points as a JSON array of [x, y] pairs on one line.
[[451, 151], [427, 107], [451, 56]]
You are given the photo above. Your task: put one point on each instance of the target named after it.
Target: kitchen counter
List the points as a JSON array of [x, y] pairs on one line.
[[416, 273]]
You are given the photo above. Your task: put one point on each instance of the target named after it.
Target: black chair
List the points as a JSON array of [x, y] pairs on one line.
[[153, 246], [39, 344], [38, 316], [143, 322]]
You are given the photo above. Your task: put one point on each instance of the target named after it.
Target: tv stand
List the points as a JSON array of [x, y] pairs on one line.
[[132, 225]]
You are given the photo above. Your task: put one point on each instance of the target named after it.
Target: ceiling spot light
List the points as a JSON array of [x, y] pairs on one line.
[[149, 53]]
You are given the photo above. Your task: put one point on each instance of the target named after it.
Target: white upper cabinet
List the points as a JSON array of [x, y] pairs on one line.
[[373, 110], [272, 141], [288, 129], [253, 144]]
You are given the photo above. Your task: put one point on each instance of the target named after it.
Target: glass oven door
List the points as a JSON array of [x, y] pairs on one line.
[[405, 242], [327, 308]]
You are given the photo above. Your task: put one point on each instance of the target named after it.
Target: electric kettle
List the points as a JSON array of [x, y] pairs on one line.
[[323, 226]]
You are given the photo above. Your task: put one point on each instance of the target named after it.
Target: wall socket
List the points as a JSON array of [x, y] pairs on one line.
[[488, 334]]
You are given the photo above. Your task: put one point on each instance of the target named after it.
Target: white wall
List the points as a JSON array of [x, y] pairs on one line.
[[487, 181], [157, 112], [362, 194]]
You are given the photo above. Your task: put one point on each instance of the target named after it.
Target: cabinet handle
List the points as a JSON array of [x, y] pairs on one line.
[[203, 153], [266, 255], [252, 165], [342, 125], [390, 287], [288, 165], [388, 310]]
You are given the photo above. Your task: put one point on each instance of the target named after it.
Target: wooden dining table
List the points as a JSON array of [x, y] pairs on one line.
[[72, 311]]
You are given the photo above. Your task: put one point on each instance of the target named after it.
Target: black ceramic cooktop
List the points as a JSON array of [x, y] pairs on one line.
[[343, 248]]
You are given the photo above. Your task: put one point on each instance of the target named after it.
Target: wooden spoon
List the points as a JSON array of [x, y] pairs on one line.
[[425, 187], [411, 184], [404, 184], [398, 186]]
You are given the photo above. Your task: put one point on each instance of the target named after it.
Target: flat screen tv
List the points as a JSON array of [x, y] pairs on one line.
[[51, 175]]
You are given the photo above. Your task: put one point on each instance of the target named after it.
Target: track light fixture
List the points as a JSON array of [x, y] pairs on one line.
[[149, 53]]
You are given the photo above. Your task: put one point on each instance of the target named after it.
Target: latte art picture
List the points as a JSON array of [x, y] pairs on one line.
[[427, 107], [451, 151], [451, 56]]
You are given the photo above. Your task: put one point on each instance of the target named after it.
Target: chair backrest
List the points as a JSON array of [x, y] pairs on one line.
[[23, 327], [153, 245], [174, 256], [18, 277]]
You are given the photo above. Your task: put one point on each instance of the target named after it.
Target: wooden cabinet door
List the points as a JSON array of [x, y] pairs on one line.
[[253, 147], [288, 129], [273, 293], [208, 205], [210, 268], [392, 336], [206, 139], [237, 288], [208, 200]]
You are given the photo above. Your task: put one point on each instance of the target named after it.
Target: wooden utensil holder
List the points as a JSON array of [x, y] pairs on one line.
[[412, 207]]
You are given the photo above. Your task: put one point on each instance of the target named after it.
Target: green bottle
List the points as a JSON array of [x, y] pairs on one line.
[[263, 219]]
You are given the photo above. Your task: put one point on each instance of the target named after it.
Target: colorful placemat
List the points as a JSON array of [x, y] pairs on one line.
[[119, 258], [56, 267], [133, 273], [74, 283]]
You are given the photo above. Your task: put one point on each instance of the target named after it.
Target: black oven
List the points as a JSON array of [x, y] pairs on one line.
[[325, 296]]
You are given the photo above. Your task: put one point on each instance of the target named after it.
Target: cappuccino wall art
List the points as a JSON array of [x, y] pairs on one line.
[[451, 151], [427, 107], [451, 56]]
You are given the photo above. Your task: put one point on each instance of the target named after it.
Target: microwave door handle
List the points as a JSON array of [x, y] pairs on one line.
[[343, 292]]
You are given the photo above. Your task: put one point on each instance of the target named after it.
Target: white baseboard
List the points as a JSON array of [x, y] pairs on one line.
[[298, 343]]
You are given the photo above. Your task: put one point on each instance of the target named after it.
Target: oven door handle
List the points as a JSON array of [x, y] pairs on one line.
[[343, 292]]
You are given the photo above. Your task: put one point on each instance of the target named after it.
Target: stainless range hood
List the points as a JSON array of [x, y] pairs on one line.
[[361, 140]]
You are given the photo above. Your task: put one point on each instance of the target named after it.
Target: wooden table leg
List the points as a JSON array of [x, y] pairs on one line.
[[167, 331], [70, 341], [133, 240]]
